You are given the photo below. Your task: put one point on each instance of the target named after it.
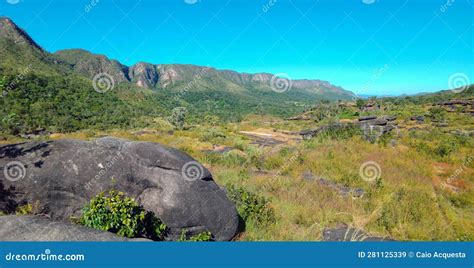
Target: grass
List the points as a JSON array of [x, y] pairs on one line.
[[414, 199]]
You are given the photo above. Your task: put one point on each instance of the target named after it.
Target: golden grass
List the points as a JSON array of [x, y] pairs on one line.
[[411, 200]]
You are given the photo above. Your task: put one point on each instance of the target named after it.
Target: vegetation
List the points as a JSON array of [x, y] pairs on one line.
[[119, 214], [201, 237], [285, 188], [251, 207]]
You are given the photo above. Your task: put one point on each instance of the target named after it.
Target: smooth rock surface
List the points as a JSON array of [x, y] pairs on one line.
[[64, 175], [37, 228]]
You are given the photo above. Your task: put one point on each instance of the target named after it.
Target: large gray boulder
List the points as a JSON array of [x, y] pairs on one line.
[[63, 175], [37, 228]]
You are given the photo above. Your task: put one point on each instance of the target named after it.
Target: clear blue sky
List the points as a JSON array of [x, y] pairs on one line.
[[367, 46]]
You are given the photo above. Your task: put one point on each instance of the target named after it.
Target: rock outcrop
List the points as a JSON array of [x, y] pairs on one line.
[[370, 125], [37, 228], [64, 175]]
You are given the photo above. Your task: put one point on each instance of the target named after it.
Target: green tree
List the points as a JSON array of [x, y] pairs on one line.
[[360, 103], [178, 117]]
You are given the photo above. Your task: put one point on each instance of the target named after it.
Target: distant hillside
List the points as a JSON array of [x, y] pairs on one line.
[[59, 87], [178, 76]]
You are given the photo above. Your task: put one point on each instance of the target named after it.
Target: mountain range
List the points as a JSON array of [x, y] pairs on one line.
[[18, 48], [58, 91]]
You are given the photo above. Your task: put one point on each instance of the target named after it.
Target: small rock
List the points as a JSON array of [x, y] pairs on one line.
[[418, 118], [365, 118], [389, 117], [308, 175]]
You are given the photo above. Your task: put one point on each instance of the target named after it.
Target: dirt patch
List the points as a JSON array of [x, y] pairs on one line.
[[265, 137]]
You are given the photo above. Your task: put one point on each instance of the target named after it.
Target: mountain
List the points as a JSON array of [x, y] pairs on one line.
[[146, 75], [56, 90], [156, 76]]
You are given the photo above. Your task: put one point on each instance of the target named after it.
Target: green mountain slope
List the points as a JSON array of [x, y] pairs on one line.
[[56, 91]]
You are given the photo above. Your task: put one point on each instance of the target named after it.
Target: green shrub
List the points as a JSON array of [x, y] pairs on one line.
[[336, 132], [201, 237], [24, 210], [178, 117], [411, 211], [119, 214], [28, 209], [233, 158], [446, 146], [251, 206], [214, 135]]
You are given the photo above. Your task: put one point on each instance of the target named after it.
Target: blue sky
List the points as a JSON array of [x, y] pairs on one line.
[[367, 46]]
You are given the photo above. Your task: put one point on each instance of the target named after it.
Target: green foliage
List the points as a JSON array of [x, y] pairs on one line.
[[213, 134], [178, 117], [119, 214], [201, 237], [463, 199], [212, 120], [360, 103], [336, 132], [26, 209], [437, 113], [440, 146], [406, 206], [251, 207], [60, 104]]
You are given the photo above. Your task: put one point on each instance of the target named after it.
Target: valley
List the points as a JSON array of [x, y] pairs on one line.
[[311, 162]]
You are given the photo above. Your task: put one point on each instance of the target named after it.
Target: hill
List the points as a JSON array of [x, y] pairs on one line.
[[60, 88]]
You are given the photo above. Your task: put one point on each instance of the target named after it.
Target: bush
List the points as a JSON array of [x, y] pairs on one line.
[[178, 117], [201, 237], [28, 209], [119, 214], [251, 207]]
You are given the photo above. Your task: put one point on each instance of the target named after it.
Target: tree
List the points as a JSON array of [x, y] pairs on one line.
[[360, 103], [178, 117]]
